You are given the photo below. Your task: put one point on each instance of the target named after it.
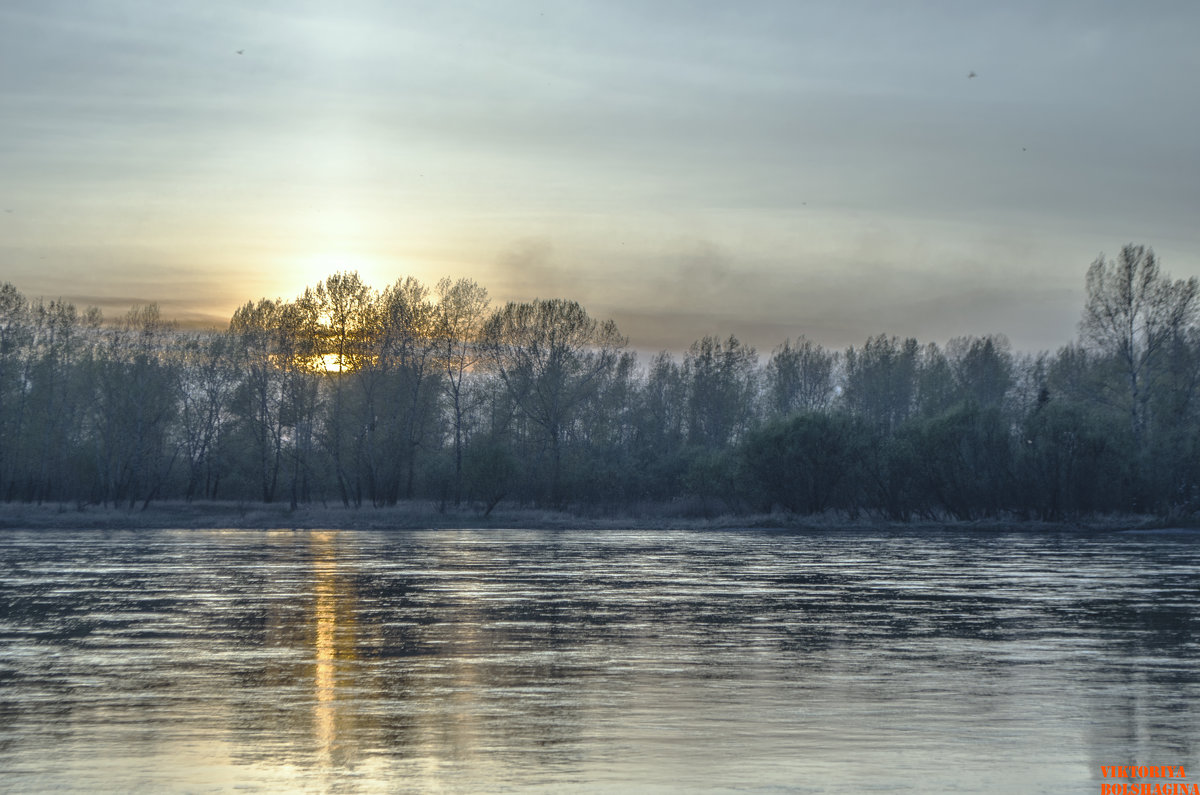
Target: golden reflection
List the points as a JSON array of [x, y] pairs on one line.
[[325, 569], [429, 707], [334, 646]]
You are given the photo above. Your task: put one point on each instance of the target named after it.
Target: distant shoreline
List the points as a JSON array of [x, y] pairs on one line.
[[428, 516]]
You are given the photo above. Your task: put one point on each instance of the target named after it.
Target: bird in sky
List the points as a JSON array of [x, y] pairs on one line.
[[970, 75], [242, 51]]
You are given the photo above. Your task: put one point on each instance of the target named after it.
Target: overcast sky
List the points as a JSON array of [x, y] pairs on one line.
[[766, 169]]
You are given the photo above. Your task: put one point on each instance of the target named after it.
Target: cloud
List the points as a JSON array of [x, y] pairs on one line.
[[1032, 321], [527, 270], [836, 291]]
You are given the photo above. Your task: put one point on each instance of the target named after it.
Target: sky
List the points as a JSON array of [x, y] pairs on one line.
[[763, 169]]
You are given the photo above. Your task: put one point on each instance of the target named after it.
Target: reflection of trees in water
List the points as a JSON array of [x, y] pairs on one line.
[[1111, 632], [463, 655], [1145, 686]]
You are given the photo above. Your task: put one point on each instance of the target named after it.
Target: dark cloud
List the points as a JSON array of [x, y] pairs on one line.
[[527, 269], [697, 287], [1033, 321]]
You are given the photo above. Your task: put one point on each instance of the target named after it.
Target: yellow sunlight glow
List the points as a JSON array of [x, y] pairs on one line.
[[327, 362], [316, 267]]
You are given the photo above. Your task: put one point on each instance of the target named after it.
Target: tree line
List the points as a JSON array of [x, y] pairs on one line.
[[358, 396]]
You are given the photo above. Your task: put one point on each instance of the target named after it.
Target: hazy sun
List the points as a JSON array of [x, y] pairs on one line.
[[316, 267], [327, 362]]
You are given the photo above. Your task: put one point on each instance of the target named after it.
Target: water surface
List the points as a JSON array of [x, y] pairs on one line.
[[486, 661]]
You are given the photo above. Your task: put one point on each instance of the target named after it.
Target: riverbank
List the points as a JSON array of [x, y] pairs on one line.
[[422, 516]]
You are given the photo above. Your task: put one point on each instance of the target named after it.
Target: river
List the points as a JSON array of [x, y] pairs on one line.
[[647, 661]]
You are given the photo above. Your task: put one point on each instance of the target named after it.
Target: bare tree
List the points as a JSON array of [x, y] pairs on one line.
[[135, 407], [16, 361], [43, 399], [800, 377], [551, 355], [983, 368], [461, 311], [1133, 313], [882, 380], [722, 378], [410, 326], [299, 360], [343, 304], [206, 383], [258, 399]]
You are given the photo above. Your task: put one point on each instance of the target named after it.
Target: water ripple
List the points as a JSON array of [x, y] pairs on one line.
[[656, 661]]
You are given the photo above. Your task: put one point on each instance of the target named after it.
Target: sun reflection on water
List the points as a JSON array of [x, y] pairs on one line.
[[325, 614], [333, 645]]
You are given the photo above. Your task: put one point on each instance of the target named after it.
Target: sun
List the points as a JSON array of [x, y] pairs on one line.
[[328, 363]]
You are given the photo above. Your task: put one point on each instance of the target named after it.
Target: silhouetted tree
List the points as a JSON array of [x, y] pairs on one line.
[[406, 393], [206, 384], [1133, 313], [982, 367], [1072, 464], [551, 355], [722, 380], [461, 312], [881, 381], [257, 404], [962, 460], [410, 325], [806, 462], [659, 429], [800, 377], [15, 348], [936, 391], [298, 360], [344, 305], [134, 408]]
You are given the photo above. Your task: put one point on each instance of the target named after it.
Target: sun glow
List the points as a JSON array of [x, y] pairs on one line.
[[328, 363], [316, 267]]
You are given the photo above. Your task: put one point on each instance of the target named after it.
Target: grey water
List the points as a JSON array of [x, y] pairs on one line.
[[644, 661]]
